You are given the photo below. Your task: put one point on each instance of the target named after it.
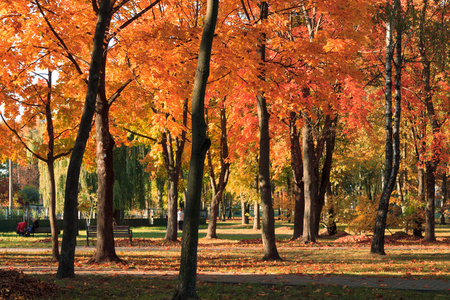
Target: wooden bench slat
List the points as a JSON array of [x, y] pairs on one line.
[[118, 231], [47, 230]]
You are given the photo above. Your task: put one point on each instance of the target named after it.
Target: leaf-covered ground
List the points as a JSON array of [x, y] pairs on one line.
[[16, 285], [238, 251]]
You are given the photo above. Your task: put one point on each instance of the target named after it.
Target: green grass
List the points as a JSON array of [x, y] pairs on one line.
[[131, 287]]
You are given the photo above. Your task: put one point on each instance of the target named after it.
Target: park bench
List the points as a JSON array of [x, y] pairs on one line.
[[119, 231], [46, 230]]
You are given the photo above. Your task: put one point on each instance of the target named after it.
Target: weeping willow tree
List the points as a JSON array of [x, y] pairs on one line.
[[131, 181], [87, 184]]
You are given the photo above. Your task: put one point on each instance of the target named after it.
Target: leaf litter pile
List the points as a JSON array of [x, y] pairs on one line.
[[16, 285]]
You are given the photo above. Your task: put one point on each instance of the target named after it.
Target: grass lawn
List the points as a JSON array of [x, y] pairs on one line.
[[239, 250]]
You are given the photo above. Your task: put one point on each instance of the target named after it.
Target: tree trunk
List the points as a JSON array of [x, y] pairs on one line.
[[392, 134], [69, 242], [244, 211], [105, 251], [330, 137], [430, 207], [297, 170], [172, 163], [172, 204], [444, 197], [219, 187], [433, 162], [51, 169], [419, 211], [268, 220], [310, 178], [213, 213], [186, 287], [52, 212], [256, 219]]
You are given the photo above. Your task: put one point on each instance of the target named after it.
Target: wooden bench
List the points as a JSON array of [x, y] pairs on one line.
[[46, 230], [119, 231]]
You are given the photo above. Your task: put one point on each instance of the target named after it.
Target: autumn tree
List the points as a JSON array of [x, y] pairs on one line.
[[45, 109], [430, 42], [33, 101]]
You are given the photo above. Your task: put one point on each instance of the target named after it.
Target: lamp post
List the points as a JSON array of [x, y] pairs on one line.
[[10, 188]]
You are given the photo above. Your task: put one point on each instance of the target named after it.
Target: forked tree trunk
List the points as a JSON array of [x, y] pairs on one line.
[[173, 165], [66, 263], [218, 187], [392, 134], [329, 133], [186, 287]]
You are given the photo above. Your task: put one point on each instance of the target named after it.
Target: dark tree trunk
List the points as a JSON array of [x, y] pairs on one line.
[[172, 205], [268, 219], [444, 197], [392, 134], [331, 223], [430, 207], [330, 137], [297, 170], [69, 242], [419, 211], [186, 287]]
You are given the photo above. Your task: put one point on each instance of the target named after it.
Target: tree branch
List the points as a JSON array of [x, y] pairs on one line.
[[63, 44], [118, 92], [135, 17], [21, 140]]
